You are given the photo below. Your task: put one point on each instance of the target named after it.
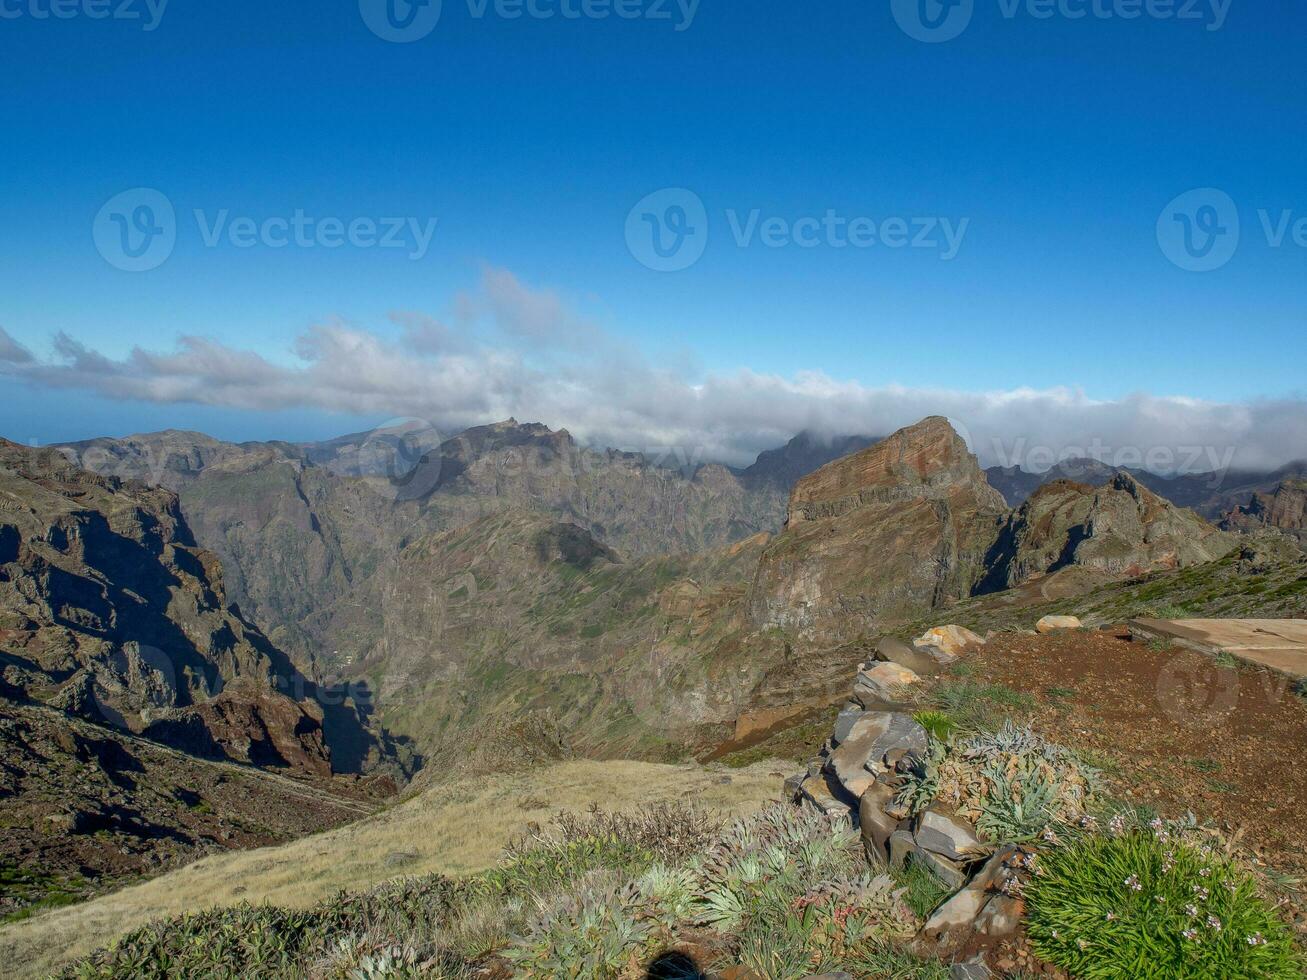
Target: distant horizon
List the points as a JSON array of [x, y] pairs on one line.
[[685, 458]]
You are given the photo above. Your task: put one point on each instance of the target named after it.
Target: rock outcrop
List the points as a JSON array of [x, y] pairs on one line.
[[1118, 530], [109, 610], [857, 778], [1284, 509], [885, 534]]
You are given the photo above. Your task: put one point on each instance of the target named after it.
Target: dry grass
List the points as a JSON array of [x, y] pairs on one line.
[[458, 828]]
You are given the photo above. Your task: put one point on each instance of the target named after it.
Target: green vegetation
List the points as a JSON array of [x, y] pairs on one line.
[[925, 891], [974, 706], [24, 892], [1011, 784], [1140, 903], [596, 896], [938, 724]]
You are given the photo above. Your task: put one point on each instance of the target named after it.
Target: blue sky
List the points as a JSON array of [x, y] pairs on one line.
[[1059, 141]]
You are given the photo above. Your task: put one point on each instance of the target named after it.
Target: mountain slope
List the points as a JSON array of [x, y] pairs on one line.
[[1118, 530], [87, 807], [518, 613], [298, 528], [884, 534], [109, 610]]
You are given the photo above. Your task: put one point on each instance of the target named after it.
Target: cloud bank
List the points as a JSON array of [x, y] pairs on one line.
[[511, 350]]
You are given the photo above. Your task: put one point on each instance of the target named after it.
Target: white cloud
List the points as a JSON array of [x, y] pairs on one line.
[[541, 361]]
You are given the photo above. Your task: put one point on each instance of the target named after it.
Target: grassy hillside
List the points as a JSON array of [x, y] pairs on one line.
[[455, 828]]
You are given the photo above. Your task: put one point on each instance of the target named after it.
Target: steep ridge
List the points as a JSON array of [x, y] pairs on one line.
[[879, 536], [293, 537], [109, 610], [1118, 530], [1209, 494]]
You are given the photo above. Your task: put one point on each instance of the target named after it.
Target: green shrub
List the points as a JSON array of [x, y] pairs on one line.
[[1012, 784], [939, 724], [595, 929], [976, 706], [923, 889], [1149, 905]]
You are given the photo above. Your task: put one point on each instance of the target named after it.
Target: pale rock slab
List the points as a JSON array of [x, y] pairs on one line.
[[952, 640]]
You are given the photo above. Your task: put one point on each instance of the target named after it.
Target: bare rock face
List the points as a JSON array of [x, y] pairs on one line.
[[109, 611], [1118, 530], [1284, 509], [887, 533]]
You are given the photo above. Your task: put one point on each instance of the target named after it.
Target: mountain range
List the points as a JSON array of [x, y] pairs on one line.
[[354, 612], [443, 580]]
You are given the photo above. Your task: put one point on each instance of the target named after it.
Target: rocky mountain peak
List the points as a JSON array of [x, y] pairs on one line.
[[891, 531], [1284, 508], [922, 460], [1120, 528]]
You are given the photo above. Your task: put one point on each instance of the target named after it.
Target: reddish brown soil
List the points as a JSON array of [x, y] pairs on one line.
[[1174, 730]]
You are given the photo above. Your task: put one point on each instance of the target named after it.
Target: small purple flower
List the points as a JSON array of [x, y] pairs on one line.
[[1133, 884], [1256, 939], [1213, 923], [1191, 911], [1191, 935]]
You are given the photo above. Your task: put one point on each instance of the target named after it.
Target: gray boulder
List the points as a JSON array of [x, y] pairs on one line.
[[973, 969], [884, 684], [952, 873], [874, 742], [901, 847], [947, 836]]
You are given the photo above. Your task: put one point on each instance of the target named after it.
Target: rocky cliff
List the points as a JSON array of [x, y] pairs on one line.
[[879, 536], [1283, 509], [1121, 529], [110, 611]]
